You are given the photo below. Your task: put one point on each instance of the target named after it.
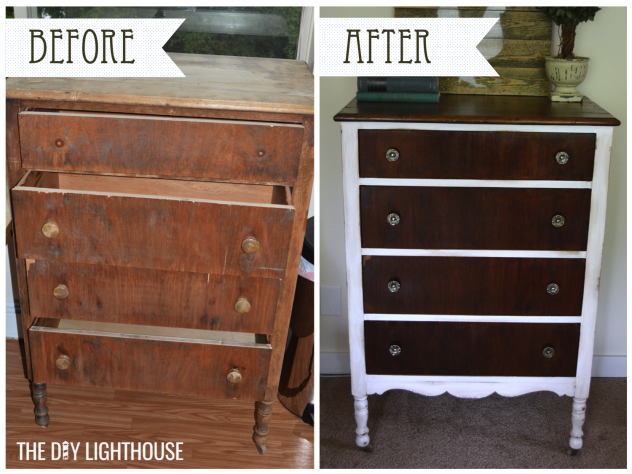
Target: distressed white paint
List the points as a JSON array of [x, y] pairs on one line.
[[473, 183], [577, 419], [473, 253], [472, 318], [361, 406]]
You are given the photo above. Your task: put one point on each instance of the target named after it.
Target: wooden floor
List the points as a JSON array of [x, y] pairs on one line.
[[215, 433]]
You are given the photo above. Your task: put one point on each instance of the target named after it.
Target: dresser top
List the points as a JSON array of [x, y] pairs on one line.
[[480, 109], [211, 82]]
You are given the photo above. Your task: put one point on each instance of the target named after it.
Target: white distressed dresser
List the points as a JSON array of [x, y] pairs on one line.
[[474, 231]]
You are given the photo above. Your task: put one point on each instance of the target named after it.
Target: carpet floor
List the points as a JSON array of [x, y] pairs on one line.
[[530, 431]]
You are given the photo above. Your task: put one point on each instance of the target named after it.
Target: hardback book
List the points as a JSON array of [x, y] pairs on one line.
[[397, 97], [427, 85]]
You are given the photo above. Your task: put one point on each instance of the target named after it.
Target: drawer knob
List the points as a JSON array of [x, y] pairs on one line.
[[562, 157], [548, 352], [553, 289], [250, 245], [395, 350], [60, 292], [50, 230], [242, 305], [558, 221], [234, 376], [394, 286], [392, 155], [62, 362], [393, 219]]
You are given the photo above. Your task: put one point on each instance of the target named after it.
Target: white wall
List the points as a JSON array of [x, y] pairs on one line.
[[604, 41]]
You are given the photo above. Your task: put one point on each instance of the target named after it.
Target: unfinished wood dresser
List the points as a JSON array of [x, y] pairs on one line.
[[474, 231], [158, 227]]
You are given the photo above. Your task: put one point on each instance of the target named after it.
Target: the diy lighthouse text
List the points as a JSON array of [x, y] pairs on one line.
[[122, 451]]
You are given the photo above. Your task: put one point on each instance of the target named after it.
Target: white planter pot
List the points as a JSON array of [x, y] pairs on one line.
[[566, 75]]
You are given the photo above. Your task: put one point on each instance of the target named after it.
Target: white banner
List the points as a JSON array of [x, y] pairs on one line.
[[431, 46], [89, 48]]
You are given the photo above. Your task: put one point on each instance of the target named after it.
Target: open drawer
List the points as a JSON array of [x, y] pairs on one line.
[[148, 358], [179, 225]]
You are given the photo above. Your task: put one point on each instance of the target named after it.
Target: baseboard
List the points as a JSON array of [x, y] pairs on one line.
[[337, 363]]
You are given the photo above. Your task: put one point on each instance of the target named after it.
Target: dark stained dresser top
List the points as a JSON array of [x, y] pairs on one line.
[[480, 109]]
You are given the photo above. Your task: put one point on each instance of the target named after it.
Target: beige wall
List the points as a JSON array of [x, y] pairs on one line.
[[604, 41]]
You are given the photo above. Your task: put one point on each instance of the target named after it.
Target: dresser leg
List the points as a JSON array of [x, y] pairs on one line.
[[263, 410], [362, 417], [578, 416], [38, 393]]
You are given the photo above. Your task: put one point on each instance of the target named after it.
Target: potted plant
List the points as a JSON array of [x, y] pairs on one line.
[[566, 71]]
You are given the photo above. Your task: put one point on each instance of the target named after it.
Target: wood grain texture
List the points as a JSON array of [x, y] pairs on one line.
[[117, 294], [480, 110], [164, 234], [211, 82], [439, 154], [484, 349], [162, 366], [511, 80], [474, 218], [473, 285], [160, 146]]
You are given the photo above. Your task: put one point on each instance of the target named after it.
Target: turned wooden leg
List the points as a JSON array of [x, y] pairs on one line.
[[38, 392], [578, 416], [263, 410], [361, 405]]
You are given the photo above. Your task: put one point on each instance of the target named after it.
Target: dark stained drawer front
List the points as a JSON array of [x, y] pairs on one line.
[[433, 154], [152, 297], [473, 285], [474, 218], [474, 349], [194, 365], [160, 146]]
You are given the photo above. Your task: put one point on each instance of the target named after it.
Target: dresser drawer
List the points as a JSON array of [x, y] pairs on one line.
[[474, 218], [197, 227], [435, 154], [160, 146], [483, 349], [145, 358], [113, 294], [473, 286]]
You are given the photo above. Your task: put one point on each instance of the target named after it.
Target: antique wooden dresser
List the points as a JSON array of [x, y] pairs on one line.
[[158, 226], [474, 231]]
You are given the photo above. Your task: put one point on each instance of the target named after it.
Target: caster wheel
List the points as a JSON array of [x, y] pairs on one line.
[[261, 448], [368, 448], [572, 452]]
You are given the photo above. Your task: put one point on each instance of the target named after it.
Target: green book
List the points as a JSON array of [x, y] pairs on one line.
[[397, 97]]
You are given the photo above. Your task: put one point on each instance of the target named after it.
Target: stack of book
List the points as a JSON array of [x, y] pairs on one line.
[[398, 89]]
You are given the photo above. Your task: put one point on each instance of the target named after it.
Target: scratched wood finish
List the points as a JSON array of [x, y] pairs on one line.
[[473, 285], [164, 234], [147, 364], [481, 349], [438, 154], [152, 297], [474, 218], [157, 146]]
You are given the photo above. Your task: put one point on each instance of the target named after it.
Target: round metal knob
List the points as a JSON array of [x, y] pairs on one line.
[[242, 305], [392, 155], [393, 219], [394, 286], [59, 142], [548, 352], [234, 376], [562, 157], [553, 289], [60, 292], [250, 245], [50, 230], [395, 350], [62, 362], [558, 221]]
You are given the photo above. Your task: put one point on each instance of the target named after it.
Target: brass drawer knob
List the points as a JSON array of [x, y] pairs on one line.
[[562, 157], [394, 286], [392, 155], [242, 305], [60, 292], [558, 221], [548, 352], [250, 245], [395, 350], [393, 219], [553, 289], [234, 376], [50, 230], [62, 362]]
